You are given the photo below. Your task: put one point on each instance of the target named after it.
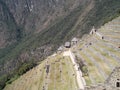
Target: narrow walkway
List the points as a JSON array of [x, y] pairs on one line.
[[80, 79], [90, 76]]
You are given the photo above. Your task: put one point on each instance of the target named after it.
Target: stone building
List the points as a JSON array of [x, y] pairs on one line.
[[93, 31], [67, 44], [74, 41], [60, 49]]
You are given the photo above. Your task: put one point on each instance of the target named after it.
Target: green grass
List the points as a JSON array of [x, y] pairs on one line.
[[37, 80], [108, 48], [100, 62], [68, 79], [111, 59], [93, 71], [63, 30], [88, 81]]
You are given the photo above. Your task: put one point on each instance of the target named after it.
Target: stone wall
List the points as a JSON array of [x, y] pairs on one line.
[[110, 83]]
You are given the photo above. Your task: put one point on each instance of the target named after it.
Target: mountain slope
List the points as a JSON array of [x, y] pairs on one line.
[[77, 21], [8, 28], [60, 70]]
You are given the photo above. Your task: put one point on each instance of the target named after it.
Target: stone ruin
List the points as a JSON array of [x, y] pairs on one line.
[[95, 31], [112, 82]]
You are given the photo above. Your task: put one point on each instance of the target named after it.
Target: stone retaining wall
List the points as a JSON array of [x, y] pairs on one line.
[[110, 83]]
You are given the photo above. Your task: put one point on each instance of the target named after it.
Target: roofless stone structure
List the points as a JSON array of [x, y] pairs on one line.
[[67, 44], [93, 30], [113, 81], [74, 41]]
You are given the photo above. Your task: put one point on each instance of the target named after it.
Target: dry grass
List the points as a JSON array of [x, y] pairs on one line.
[[93, 71], [36, 79]]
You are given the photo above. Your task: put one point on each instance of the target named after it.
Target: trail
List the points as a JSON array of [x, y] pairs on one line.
[[80, 80]]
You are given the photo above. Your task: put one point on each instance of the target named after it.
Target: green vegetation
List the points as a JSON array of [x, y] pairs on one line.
[[111, 59], [102, 56], [83, 66], [8, 79], [88, 81], [92, 70], [85, 70], [25, 67], [36, 79], [100, 62], [3, 80], [63, 29], [12, 79]]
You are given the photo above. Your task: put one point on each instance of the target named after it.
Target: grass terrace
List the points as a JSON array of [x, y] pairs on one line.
[[102, 56], [61, 76], [94, 74]]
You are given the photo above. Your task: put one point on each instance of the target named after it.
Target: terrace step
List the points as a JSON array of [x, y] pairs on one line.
[[102, 58], [96, 64], [109, 45], [108, 53], [90, 76], [93, 71]]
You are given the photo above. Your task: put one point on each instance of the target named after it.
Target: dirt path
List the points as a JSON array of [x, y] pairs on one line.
[[80, 80]]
